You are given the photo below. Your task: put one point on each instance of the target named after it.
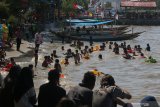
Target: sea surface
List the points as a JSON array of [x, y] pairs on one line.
[[136, 76]]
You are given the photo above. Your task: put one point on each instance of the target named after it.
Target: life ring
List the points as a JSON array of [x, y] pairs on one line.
[[96, 48], [151, 61]]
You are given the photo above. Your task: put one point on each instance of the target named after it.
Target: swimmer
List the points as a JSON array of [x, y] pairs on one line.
[[100, 56]]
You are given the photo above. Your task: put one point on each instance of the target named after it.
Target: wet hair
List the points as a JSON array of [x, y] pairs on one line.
[[24, 83], [53, 75], [57, 60], [66, 102], [107, 80], [30, 66], [142, 54], [100, 56], [12, 59], [88, 79]]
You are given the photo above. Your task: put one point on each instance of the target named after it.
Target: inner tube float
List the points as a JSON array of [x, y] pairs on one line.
[[7, 68], [86, 57], [96, 48], [130, 51], [151, 61], [96, 72]]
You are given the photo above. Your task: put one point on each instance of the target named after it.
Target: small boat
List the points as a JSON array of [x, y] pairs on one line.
[[101, 38]]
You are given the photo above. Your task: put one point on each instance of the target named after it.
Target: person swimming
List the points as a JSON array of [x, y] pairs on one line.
[[66, 61], [45, 62], [100, 56], [54, 54], [62, 48], [142, 55]]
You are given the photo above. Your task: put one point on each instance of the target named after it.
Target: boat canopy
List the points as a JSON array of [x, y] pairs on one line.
[[87, 22]]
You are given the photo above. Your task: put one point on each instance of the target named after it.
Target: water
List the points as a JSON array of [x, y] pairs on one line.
[[138, 77]]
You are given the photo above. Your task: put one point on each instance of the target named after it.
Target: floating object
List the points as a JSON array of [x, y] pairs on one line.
[[62, 76], [62, 61], [7, 68], [151, 60], [86, 57], [96, 48], [96, 72], [130, 51]]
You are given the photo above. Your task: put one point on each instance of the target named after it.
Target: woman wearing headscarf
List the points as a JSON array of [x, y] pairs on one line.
[[24, 93], [6, 95]]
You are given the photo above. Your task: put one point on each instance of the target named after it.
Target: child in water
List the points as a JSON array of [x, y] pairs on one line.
[[142, 55], [100, 56], [45, 62], [148, 47], [66, 61], [36, 56], [57, 66], [77, 57], [62, 48], [54, 54]]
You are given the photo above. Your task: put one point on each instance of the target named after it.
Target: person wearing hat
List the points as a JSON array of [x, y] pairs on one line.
[[82, 94], [109, 94], [51, 93]]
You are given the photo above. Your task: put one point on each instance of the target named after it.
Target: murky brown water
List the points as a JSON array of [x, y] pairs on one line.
[[138, 77]]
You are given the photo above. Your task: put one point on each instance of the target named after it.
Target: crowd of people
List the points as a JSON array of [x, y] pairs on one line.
[[17, 90]]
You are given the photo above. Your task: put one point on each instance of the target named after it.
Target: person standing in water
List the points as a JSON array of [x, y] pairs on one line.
[[36, 56], [18, 38], [57, 66], [148, 48], [38, 39], [77, 57]]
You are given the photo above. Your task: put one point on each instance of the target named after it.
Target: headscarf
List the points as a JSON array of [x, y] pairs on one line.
[[24, 83]]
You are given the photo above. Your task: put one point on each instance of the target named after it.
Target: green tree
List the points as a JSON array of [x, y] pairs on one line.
[[68, 8], [4, 10]]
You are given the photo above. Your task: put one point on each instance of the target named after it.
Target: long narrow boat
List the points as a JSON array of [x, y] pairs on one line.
[[101, 38], [85, 33]]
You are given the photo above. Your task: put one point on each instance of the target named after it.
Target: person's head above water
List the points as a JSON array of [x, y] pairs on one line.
[[57, 61], [107, 80], [100, 56], [88, 80]]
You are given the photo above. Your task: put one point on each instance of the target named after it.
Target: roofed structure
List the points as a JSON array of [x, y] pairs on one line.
[[138, 3]]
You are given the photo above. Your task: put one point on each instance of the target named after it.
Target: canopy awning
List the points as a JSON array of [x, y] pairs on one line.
[[91, 24]]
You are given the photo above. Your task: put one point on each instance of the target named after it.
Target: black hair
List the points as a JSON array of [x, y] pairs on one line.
[[53, 75], [107, 80], [88, 79]]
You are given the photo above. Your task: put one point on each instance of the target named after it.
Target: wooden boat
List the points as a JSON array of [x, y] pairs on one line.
[[100, 38], [121, 28]]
